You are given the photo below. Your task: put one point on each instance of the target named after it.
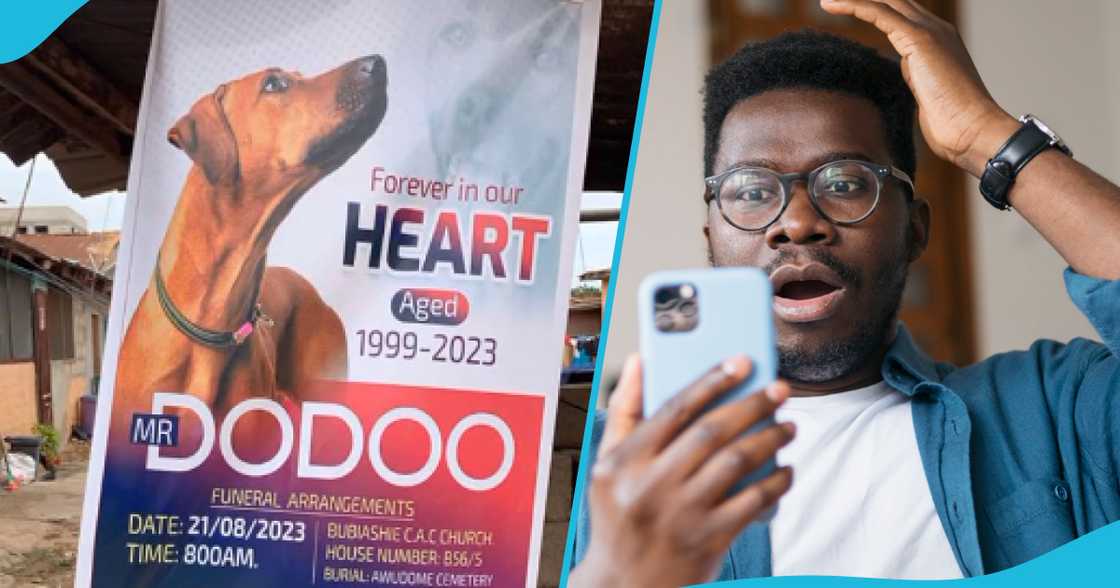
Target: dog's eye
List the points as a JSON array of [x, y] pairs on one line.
[[458, 35], [274, 83], [548, 59]]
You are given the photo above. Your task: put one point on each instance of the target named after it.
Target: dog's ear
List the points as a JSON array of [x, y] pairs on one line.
[[204, 134]]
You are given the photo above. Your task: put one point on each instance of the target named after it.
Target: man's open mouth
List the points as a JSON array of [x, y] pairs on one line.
[[806, 293]]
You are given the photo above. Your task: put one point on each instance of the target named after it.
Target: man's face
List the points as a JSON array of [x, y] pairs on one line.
[[838, 311]]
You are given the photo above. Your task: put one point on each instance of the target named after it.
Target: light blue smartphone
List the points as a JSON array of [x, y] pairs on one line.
[[691, 320]]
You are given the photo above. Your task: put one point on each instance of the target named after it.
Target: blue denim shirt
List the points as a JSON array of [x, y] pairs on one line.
[[1021, 450]]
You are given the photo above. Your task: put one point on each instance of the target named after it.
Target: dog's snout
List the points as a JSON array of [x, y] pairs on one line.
[[361, 98], [474, 108], [372, 65]]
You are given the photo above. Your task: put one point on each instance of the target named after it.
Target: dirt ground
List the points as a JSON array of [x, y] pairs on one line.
[[39, 526]]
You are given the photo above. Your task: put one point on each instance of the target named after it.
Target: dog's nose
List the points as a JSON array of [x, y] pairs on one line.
[[372, 65], [474, 108]]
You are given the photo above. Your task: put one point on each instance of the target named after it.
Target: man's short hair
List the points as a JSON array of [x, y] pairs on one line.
[[817, 61]]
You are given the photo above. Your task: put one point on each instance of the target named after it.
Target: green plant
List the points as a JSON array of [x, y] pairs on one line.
[[580, 291], [50, 446]]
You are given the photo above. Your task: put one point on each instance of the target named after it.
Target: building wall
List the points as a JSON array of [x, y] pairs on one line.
[[59, 220], [17, 399], [70, 379], [584, 322]]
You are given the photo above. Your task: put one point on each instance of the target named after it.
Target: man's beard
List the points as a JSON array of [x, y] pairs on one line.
[[837, 358]]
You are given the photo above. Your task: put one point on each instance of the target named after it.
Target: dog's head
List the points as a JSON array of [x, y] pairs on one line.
[[500, 87], [274, 129]]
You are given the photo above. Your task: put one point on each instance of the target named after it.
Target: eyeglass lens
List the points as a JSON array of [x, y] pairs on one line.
[[752, 198]]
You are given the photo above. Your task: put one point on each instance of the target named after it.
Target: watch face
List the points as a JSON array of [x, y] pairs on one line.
[[1054, 138]]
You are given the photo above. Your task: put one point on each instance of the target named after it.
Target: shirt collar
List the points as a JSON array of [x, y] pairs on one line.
[[906, 366]]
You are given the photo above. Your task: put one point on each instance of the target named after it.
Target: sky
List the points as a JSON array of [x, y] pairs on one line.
[[103, 212], [595, 243], [594, 246]]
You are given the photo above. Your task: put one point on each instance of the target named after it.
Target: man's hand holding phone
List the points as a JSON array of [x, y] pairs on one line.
[[659, 501]]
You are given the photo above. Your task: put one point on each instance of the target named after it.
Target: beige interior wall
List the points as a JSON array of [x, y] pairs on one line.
[[1036, 56], [1061, 62]]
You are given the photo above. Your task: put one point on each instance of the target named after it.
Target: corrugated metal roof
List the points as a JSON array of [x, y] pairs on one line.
[[94, 251]]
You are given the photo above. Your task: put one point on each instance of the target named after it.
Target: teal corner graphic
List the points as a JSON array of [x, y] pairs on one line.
[[1089, 560], [24, 25]]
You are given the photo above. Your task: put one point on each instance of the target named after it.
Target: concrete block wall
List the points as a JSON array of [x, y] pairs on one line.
[[70, 378], [571, 415]]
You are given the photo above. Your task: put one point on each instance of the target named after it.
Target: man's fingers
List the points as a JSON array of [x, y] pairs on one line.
[[735, 461], [624, 411], [738, 511], [882, 16], [906, 8], [679, 410], [921, 13], [696, 444]]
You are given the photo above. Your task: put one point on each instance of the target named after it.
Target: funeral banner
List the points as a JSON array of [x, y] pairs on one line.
[[334, 343]]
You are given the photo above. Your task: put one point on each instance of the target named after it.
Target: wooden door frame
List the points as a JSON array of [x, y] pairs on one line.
[[41, 355], [95, 327]]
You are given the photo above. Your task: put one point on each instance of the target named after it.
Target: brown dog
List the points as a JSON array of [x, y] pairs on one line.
[[257, 144]]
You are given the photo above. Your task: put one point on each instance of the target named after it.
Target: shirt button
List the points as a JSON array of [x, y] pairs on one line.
[[1061, 492]]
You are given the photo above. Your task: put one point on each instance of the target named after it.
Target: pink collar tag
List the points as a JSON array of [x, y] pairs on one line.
[[241, 334]]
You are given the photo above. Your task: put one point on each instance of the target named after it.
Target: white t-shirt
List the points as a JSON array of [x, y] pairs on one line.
[[860, 504]]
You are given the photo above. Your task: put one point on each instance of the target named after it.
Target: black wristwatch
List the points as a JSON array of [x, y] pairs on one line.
[[1032, 138]]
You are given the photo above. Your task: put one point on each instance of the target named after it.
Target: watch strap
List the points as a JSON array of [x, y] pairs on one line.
[[999, 175]]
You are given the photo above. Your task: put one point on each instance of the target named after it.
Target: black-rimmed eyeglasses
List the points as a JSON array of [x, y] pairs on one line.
[[844, 192]]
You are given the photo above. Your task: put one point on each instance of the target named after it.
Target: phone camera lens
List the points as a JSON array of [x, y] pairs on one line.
[[665, 297]]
